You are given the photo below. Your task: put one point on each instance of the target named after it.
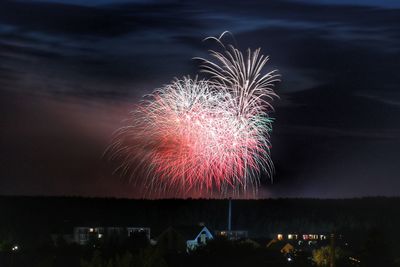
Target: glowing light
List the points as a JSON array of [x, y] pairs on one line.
[[203, 134]]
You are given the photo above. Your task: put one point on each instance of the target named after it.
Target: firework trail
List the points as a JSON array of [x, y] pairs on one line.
[[203, 134]]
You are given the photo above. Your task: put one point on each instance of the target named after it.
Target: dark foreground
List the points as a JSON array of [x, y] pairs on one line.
[[282, 232]]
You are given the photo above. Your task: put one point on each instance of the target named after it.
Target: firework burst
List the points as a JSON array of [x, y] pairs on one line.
[[203, 134]]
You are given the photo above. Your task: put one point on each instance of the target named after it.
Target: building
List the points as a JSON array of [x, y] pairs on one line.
[[82, 234], [187, 237], [201, 236], [139, 230], [282, 246], [232, 234], [171, 241], [305, 241], [304, 237]]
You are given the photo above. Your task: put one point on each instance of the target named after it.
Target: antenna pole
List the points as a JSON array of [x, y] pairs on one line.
[[230, 215]]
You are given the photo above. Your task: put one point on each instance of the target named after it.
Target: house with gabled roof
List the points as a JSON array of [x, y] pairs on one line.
[[192, 237], [198, 237]]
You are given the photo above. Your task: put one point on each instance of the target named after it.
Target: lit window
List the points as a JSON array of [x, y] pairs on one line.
[[91, 230], [99, 235], [290, 236], [280, 236]]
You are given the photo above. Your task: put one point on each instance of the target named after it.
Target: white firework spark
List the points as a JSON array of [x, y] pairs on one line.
[[204, 134]]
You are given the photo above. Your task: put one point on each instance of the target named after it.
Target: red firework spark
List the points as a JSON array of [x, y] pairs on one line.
[[203, 134]]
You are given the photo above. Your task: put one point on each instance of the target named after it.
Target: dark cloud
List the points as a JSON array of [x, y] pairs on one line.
[[85, 21], [70, 72]]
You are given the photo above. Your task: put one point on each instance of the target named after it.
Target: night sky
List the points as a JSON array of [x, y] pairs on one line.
[[71, 70]]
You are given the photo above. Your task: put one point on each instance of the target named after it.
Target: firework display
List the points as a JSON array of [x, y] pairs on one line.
[[203, 134]]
